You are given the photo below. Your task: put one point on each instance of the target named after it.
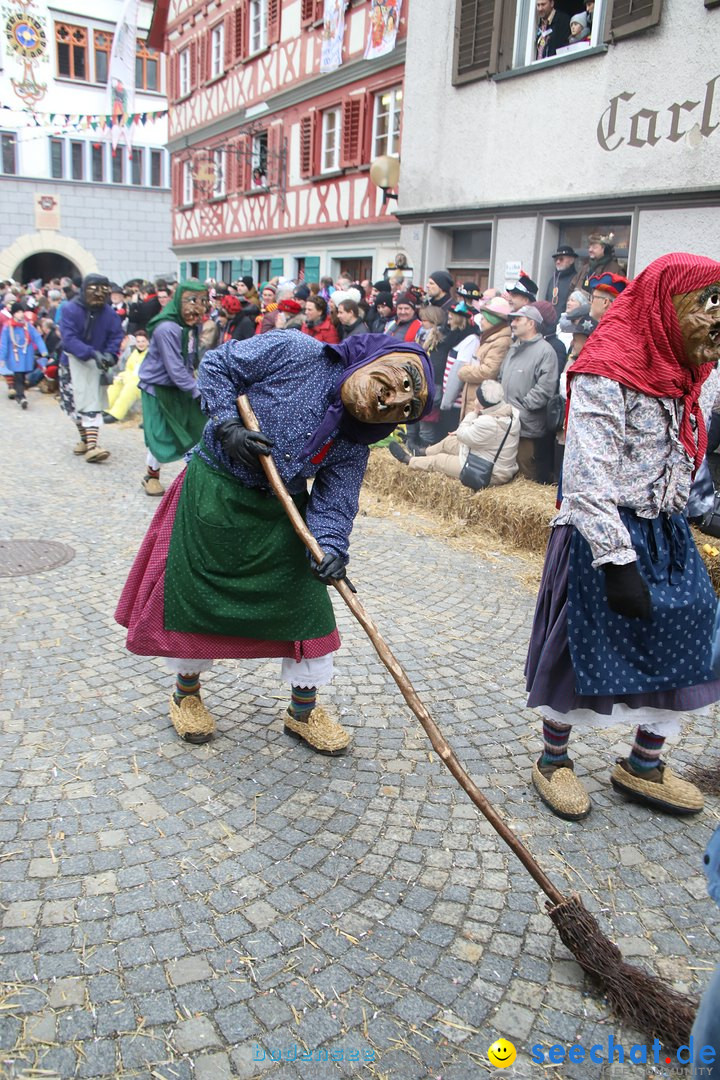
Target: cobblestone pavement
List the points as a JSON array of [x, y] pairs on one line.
[[177, 912]]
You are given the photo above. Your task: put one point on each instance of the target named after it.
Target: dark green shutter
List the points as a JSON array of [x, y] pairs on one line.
[[183, 271], [202, 270], [236, 271], [212, 269], [247, 267], [277, 267]]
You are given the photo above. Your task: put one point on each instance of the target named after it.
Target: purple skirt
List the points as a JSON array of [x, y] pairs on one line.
[[548, 668]]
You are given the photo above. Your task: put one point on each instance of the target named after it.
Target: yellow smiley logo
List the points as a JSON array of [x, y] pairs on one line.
[[501, 1054]]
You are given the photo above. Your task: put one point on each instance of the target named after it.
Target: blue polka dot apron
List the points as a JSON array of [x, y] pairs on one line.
[[612, 654]]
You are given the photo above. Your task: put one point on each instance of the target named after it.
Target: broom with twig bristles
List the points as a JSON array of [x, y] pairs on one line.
[[634, 995]]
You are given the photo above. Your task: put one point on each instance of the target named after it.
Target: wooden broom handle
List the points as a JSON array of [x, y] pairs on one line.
[[439, 744]]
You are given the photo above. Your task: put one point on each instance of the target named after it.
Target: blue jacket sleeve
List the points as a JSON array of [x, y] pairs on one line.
[[71, 319], [38, 341], [4, 345], [166, 342], [334, 499]]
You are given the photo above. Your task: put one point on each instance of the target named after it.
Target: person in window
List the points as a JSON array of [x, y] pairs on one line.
[[590, 11], [560, 284], [348, 315], [601, 259], [579, 29], [318, 323], [553, 29], [406, 324], [529, 376]]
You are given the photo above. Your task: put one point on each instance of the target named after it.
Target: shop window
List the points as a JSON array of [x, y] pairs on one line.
[[147, 68], [102, 47], [156, 169], [118, 167], [77, 160], [330, 152], [97, 159], [72, 49], [136, 166], [57, 159], [386, 122], [8, 154]]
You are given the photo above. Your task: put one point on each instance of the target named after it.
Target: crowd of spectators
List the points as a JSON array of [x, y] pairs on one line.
[[499, 354]]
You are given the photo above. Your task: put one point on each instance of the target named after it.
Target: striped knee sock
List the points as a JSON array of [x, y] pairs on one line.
[[556, 738], [186, 686], [645, 754], [303, 701], [152, 474], [91, 437]]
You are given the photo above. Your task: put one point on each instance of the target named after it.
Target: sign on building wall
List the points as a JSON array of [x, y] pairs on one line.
[[26, 24], [47, 211], [332, 34], [121, 77], [384, 19]]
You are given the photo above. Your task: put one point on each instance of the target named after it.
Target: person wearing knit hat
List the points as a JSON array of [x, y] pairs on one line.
[[381, 312], [290, 314], [490, 426], [302, 291], [579, 29], [439, 289], [19, 342]]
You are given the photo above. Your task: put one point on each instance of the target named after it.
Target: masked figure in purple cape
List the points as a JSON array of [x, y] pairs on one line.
[[221, 574]]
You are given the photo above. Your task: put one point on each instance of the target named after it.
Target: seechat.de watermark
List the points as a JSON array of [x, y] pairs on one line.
[[293, 1052], [637, 1054]]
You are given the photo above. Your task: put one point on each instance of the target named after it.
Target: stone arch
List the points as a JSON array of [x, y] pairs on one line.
[[45, 240]]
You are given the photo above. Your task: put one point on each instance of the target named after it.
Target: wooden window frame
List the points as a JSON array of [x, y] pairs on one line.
[[72, 29], [143, 54], [374, 150]]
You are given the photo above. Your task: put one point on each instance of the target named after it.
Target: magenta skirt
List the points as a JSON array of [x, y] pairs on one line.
[[141, 607]]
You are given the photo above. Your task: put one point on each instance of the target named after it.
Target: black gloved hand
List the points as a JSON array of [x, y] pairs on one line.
[[332, 568], [241, 445], [627, 591], [104, 361]]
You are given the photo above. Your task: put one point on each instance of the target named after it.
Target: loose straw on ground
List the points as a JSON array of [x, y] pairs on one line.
[[636, 996]]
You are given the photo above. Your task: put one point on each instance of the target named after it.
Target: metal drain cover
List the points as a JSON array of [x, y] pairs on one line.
[[19, 558]]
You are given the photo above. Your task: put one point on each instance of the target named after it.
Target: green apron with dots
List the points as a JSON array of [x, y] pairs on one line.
[[236, 566]]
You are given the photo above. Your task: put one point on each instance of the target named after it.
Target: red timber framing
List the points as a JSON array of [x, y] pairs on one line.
[[291, 168]]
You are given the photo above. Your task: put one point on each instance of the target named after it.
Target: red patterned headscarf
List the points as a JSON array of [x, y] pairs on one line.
[[640, 345]]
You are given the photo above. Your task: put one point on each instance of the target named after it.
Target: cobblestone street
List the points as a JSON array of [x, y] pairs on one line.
[[171, 911]]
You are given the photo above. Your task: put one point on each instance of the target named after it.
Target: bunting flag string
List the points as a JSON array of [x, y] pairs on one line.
[[83, 121]]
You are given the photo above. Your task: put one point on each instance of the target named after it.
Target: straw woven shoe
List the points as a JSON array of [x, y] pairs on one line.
[[192, 721], [152, 486], [659, 788], [562, 792], [80, 448], [97, 454], [319, 731]]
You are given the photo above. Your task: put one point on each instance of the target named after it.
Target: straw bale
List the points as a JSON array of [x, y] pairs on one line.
[[517, 514]]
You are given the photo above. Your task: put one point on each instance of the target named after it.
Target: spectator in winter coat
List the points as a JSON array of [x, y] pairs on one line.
[[529, 376], [560, 284], [245, 288], [19, 343], [495, 340], [290, 315], [268, 307], [318, 323], [523, 291], [439, 289], [348, 314], [380, 313], [241, 316], [460, 328], [553, 29], [406, 325], [490, 424], [604, 290], [601, 259]]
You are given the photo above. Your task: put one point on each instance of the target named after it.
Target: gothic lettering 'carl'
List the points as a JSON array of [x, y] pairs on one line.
[[647, 127]]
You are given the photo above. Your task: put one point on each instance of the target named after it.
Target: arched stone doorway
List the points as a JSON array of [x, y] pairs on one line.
[[45, 265], [46, 242]]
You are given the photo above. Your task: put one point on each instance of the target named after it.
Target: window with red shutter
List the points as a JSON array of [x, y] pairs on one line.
[[351, 153], [241, 30], [242, 172], [308, 128], [273, 34], [193, 64], [229, 43], [307, 12]]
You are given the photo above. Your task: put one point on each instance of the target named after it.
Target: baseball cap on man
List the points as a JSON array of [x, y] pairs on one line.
[[529, 312]]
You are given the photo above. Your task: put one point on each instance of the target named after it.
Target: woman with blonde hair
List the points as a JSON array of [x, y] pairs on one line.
[[430, 336]]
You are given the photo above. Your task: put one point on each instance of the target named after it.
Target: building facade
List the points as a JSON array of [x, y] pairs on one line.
[[619, 133], [270, 155], [73, 203]]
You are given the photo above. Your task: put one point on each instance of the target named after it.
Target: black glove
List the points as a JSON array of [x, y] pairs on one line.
[[105, 361], [241, 445], [627, 591], [332, 568]]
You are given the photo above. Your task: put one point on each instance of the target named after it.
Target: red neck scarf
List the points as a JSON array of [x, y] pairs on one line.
[[640, 345]]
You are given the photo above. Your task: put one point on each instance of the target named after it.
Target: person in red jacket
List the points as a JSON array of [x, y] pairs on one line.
[[406, 325], [317, 321]]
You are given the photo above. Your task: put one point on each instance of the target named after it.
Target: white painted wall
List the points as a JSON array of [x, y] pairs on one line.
[[534, 136]]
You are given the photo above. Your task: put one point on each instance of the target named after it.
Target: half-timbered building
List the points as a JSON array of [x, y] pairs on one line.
[[270, 155]]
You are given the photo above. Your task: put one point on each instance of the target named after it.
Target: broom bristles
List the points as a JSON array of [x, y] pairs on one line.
[[641, 999], [707, 777]]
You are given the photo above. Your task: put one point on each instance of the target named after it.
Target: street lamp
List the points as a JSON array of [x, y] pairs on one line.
[[385, 173]]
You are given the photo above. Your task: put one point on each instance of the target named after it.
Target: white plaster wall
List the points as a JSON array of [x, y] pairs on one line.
[[514, 242], [696, 231], [534, 136]]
